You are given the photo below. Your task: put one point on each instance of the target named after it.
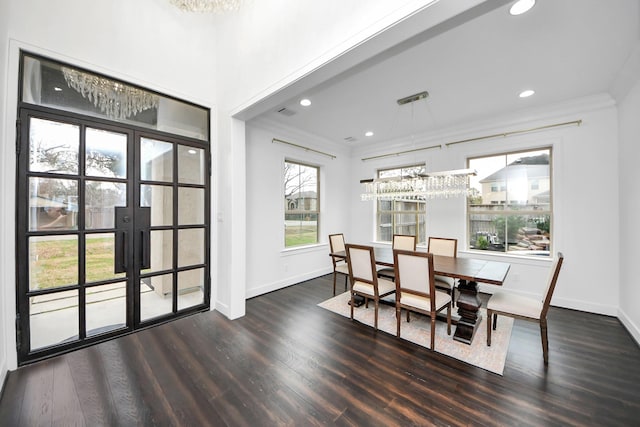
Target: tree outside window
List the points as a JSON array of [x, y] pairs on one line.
[[510, 210], [302, 203]]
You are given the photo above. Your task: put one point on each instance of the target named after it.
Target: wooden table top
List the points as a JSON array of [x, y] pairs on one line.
[[470, 269]]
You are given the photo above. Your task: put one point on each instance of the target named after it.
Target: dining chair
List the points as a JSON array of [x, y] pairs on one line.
[[526, 308], [364, 280], [403, 242], [416, 290], [336, 244], [444, 247]]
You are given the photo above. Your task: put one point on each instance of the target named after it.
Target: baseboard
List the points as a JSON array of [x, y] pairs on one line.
[[589, 307], [3, 377], [607, 310], [633, 329], [274, 286], [222, 308]]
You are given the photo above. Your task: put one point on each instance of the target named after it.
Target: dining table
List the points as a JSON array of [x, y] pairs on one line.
[[469, 272]]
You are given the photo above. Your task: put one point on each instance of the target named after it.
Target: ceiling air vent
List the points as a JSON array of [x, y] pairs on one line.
[[349, 139], [286, 112]]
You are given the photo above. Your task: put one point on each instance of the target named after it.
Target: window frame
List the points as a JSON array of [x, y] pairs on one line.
[[315, 211], [395, 213], [505, 208]]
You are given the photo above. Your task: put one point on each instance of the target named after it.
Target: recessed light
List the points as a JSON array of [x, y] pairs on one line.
[[57, 89], [305, 102], [521, 6], [526, 93], [368, 133]]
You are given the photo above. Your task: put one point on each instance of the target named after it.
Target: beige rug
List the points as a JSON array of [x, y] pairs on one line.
[[418, 331]]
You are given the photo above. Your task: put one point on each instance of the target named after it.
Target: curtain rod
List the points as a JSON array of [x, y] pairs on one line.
[[401, 152], [503, 135], [515, 132], [304, 148]]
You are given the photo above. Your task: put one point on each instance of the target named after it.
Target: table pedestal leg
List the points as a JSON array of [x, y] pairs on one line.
[[468, 305]]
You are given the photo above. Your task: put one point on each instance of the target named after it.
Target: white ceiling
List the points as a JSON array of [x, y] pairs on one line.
[[563, 49]]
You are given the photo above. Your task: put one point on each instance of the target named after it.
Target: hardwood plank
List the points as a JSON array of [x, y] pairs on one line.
[[66, 405], [289, 362], [36, 409]]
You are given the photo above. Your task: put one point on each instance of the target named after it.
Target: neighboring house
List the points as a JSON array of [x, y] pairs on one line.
[[302, 201], [525, 181]]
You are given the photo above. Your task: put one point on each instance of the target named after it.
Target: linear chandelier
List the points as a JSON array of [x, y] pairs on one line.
[[213, 6], [114, 99], [434, 185]]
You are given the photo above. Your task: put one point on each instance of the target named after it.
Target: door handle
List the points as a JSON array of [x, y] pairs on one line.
[[145, 256], [144, 223], [121, 253], [121, 249]]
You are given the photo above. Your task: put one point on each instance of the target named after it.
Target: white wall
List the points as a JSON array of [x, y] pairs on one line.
[[269, 266], [585, 196], [7, 294], [629, 112], [120, 38], [272, 43]]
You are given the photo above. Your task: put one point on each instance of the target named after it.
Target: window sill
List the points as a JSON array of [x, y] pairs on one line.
[[506, 257], [305, 249]]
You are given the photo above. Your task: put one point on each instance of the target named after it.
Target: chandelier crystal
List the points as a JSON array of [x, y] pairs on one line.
[[214, 6], [114, 99], [434, 185]]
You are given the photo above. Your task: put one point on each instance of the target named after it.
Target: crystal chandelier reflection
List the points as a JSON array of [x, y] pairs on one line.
[[214, 6], [434, 185], [114, 99]]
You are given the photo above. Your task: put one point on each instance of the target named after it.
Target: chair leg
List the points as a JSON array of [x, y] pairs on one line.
[[449, 320], [346, 280], [495, 320], [489, 318], [375, 321], [352, 303], [433, 330], [398, 315], [408, 319], [545, 341], [334, 282]]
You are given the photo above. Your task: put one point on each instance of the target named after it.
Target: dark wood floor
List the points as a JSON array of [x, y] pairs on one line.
[[288, 362]]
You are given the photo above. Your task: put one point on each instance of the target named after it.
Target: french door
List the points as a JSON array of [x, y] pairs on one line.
[[112, 230]]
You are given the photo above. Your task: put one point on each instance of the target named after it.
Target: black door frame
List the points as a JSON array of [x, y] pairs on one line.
[[134, 244]]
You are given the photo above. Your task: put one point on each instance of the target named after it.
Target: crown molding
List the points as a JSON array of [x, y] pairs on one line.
[[627, 77], [291, 133]]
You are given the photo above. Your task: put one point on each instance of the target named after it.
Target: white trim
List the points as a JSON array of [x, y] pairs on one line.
[[297, 250], [279, 284], [633, 329]]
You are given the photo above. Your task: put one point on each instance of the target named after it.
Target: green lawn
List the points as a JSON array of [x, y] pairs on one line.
[[54, 263], [302, 235]]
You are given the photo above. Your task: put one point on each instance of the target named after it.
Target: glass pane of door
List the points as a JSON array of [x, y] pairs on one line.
[[53, 146], [53, 319]]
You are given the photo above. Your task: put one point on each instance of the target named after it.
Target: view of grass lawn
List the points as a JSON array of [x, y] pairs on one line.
[[54, 262], [301, 235]]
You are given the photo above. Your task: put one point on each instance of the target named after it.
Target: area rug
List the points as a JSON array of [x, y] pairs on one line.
[[418, 331]]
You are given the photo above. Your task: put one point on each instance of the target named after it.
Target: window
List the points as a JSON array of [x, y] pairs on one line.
[[401, 216], [516, 219], [302, 204]]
